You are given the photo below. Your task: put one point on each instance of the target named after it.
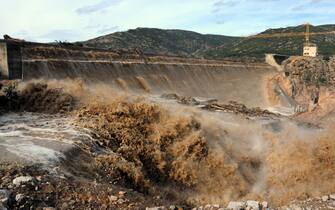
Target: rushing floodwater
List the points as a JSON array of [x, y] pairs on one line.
[[37, 138]]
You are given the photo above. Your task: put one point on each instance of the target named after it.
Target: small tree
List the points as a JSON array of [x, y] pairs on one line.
[[12, 96]]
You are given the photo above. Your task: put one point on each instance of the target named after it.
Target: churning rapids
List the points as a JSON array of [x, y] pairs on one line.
[[156, 146]]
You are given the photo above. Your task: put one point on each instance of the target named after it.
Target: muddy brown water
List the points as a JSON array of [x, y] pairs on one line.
[[238, 82], [215, 157], [245, 160]]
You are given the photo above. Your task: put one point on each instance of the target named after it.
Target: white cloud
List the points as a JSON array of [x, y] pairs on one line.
[[100, 6], [47, 20]]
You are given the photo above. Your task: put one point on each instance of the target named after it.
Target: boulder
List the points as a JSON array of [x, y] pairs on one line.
[[2, 207], [121, 201], [19, 197], [325, 198], [212, 207], [156, 208], [22, 180], [113, 198], [265, 205], [295, 207], [122, 193], [253, 205], [236, 205], [4, 197]]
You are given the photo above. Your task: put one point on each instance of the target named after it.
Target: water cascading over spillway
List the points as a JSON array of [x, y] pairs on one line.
[[202, 157], [225, 81]]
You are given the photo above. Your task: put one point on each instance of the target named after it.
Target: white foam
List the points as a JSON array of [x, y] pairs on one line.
[[281, 110], [39, 138], [11, 134], [34, 153]]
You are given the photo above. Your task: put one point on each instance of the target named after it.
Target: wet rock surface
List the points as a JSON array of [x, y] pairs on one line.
[[63, 192], [213, 105]]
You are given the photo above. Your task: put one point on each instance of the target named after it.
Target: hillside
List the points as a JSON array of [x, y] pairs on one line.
[[288, 45], [158, 41], [192, 44]]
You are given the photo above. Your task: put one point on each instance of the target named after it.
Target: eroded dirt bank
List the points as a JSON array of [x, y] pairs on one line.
[[142, 152]]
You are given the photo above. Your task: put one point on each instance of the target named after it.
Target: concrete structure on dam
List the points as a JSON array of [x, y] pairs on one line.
[[133, 71], [10, 60], [3, 60]]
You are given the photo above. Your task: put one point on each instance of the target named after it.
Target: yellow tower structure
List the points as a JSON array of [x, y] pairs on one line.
[[310, 49], [307, 25]]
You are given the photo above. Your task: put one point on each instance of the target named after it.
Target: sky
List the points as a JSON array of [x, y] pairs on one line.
[[78, 20]]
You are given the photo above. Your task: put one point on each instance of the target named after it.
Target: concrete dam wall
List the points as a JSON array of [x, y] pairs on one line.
[[223, 80]]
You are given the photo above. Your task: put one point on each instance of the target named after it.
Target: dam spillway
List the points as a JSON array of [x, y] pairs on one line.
[[135, 72]]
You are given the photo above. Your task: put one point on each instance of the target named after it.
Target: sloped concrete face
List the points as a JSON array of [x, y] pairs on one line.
[[3, 61], [233, 82], [223, 80], [275, 60]]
